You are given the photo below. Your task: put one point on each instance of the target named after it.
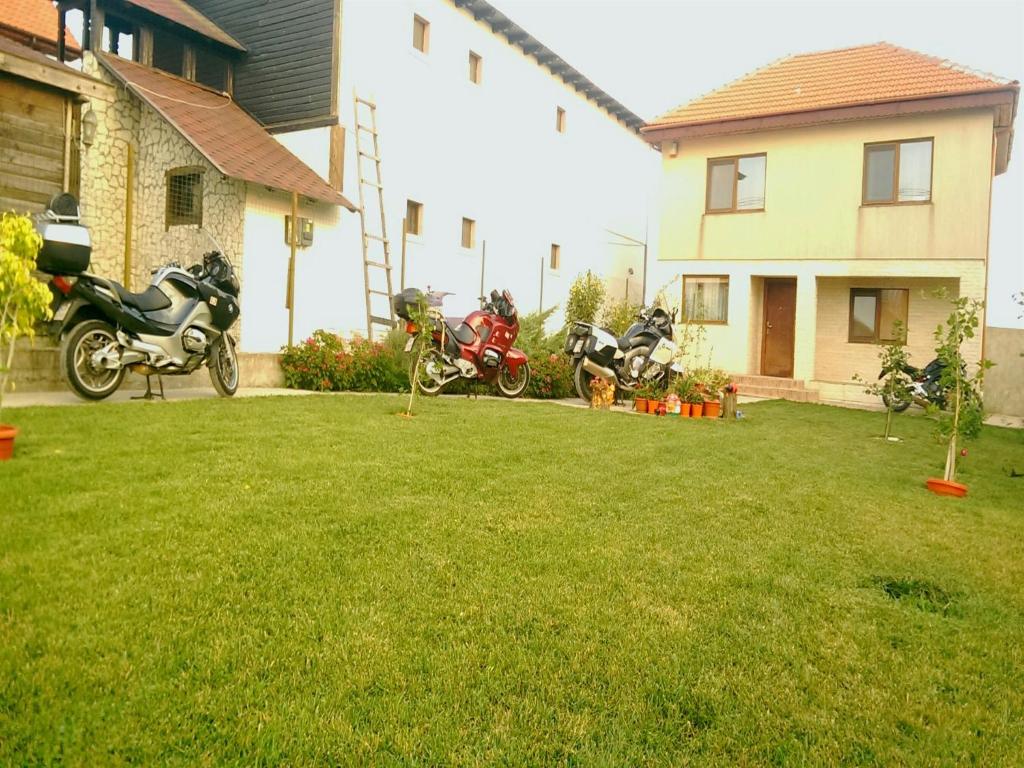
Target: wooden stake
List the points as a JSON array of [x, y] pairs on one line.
[[294, 243], [405, 231], [129, 204]]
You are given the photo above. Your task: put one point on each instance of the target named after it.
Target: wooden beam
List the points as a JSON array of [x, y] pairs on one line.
[[64, 78]]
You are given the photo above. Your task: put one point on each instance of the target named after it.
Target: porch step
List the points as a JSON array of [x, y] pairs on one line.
[[775, 388]]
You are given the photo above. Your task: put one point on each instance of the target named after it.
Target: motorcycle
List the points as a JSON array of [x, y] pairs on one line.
[[924, 387], [642, 355], [477, 348], [179, 323]]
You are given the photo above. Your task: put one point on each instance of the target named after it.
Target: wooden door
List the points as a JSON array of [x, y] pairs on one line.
[[32, 146], [778, 332]]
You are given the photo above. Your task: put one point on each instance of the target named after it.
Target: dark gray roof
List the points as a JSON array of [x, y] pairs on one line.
[[502, 25]]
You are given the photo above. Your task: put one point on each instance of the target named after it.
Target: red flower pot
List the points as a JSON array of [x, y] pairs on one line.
[[684, 410], [7, 435], [946, 487], [652, 406], [697, 410], [712, 408], [640, 404]]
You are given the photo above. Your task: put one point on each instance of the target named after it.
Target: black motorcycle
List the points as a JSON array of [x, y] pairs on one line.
[[644, 354], [923, 386], [179, 323]]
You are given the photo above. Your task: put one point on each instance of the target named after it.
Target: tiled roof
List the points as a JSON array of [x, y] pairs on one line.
[[35, 18], [223, 132], [186, 16], [868, 74]]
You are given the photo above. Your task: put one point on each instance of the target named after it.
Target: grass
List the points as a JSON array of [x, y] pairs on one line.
[[314, 580]]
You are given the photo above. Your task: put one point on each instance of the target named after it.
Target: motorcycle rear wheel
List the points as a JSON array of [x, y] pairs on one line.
[[76, 352], [899, 406], [581, 380], [424, 382], [513, 387], [224, 366]]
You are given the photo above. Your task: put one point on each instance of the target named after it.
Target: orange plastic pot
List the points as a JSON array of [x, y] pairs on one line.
[[697, 410], [640, 404], [712, 408], [684, 410], [7, 435], [652, 406], [946, 487]]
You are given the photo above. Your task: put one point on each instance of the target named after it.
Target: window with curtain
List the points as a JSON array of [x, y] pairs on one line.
[[736, 183], [898, 172], [875, 312], [706, 298]]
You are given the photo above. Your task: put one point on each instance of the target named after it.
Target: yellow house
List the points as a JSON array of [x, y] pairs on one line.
[[812, 203]]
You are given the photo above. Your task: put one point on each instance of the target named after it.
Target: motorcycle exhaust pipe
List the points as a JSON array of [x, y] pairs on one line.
[[596, 370]]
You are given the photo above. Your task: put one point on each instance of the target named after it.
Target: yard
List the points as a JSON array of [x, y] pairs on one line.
[[315, 580]]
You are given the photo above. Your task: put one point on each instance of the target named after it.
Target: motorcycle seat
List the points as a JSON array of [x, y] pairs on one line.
[[462, 332], [150, 300]]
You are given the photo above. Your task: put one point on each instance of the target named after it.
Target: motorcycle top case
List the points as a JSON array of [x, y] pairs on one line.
[[403, 302], [67, 248], [223, 306]]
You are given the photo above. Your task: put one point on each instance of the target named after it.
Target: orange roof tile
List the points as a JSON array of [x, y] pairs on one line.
[[185, 15], [35, 19], [867, 74], [223, 132]]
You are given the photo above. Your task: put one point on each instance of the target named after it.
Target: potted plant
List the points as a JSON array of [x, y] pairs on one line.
[[696, 403], [683, 386], [649, 396], [962, 418], [715, 381], [23, 302], [891, 385]]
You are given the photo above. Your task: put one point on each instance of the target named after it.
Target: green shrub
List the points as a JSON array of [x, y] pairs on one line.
[[327, 363], [550, 377], [585, 298], [618, 316]]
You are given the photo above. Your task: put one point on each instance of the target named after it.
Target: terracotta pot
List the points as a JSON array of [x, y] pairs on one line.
[[697, 410], [7, 435], [684, 410], [946, 487], [652, 406], [640, 404], [712, 408]]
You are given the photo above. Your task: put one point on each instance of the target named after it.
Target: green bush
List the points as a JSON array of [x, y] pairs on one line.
[[585, 298], [550, 377], [617, 316], [327, 363]]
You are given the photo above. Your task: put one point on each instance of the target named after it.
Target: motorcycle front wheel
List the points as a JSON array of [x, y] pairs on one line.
[[224, 366], [77, 349], [420, 378], [513, 386]]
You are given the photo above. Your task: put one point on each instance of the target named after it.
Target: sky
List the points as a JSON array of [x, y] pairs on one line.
[[652, 55]]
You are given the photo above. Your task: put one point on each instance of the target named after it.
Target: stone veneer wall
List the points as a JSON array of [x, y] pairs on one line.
[[159, 148]]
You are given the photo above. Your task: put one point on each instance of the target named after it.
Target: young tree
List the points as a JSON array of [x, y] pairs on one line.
[[424, 324], [892, 385], [962, 418], [23, 300], [585, 298]]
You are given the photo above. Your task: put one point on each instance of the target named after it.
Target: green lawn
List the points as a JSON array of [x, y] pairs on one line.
[[314, 580]]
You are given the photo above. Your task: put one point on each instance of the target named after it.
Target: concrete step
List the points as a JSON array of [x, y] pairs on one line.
[[772, 387], [775, 382]]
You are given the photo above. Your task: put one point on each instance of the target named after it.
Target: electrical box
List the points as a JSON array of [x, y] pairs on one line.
[[305, 232]]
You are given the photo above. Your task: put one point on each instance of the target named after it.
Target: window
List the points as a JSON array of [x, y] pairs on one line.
[[898, 172], [211, 69], [168, 52], [184, 197], [559, 119], [468, 233], [476, 70], [556, 257], [706, 298], [874, 313], [413, 217], [420, 34], [736, 184]]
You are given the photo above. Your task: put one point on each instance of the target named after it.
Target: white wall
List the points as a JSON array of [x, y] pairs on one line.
[[489, 152]]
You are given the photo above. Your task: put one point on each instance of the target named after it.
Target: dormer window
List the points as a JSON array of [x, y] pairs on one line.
[[211, 69], [168, 52]]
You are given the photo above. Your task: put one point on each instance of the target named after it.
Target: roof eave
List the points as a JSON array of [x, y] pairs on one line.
[[1003, 95]]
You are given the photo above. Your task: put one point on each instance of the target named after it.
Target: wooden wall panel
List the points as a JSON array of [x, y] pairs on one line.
[[32, 123]]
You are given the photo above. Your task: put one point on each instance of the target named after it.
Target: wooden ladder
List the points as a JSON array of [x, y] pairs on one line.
[[376, 247]]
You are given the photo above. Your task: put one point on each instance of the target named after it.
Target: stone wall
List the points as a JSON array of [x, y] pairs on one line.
[[1004, 383], [159, 148]]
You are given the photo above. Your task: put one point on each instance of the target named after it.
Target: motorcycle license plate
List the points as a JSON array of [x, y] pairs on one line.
[[62, 311], [579, 347], [409, 343], [662, 352]]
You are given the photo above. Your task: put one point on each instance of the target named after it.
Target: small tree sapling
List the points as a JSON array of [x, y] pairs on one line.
[[423, 321], [892, 385]]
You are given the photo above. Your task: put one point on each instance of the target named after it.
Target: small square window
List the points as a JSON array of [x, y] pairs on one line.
[[476, 68], [898, 172], [556, 257], [736, 184], [413, 217], [468, 233], [560, 120], [706, 299], [420, 34], [184, 205], [878, 315]]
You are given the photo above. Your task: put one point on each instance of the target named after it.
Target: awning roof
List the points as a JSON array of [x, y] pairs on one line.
[[185, 15], [224, 133]]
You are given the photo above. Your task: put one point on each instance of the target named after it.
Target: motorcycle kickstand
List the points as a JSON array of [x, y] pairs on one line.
[[149, 394]]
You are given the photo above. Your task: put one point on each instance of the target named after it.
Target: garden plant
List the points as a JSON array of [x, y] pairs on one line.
[[892, 387]]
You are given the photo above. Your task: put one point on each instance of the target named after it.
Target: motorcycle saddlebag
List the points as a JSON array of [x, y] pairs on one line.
[[223, 306], [66, 249], [404, 301]]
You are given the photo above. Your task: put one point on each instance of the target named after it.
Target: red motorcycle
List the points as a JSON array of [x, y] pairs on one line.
[[478, 348]]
